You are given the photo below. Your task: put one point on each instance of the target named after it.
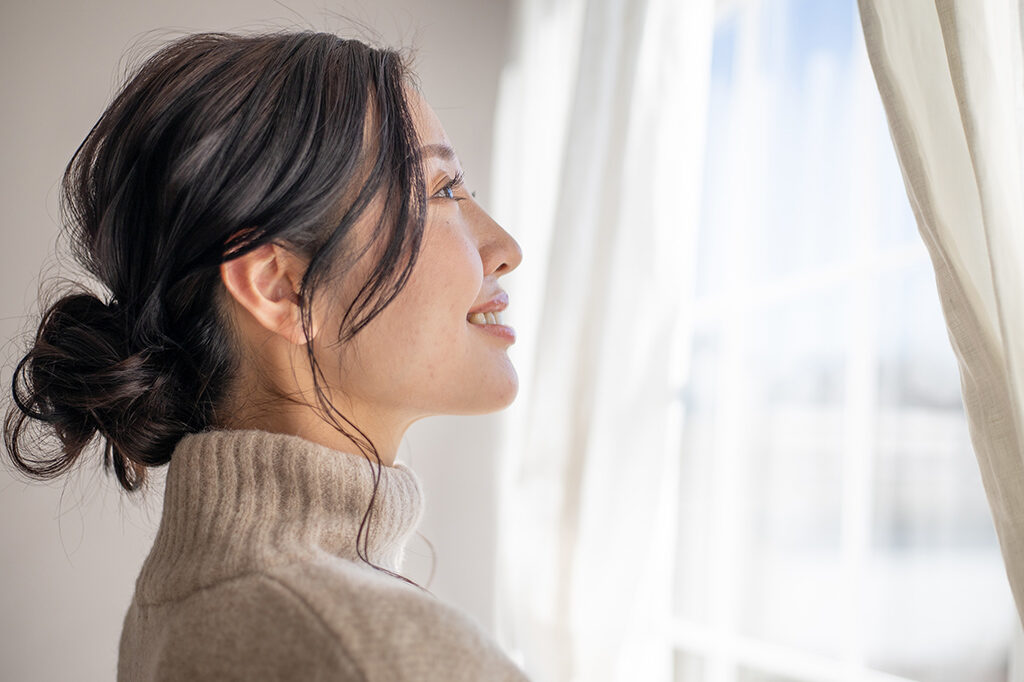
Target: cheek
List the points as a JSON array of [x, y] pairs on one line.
[[421, 342], [427, 319], [446, 285], [448, 276]]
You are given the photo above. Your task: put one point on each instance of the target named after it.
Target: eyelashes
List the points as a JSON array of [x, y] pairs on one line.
[[448, 191]]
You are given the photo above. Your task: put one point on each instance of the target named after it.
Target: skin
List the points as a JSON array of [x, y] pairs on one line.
[[419, 357]]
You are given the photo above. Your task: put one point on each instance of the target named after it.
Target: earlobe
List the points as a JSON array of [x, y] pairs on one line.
[[265, 282]]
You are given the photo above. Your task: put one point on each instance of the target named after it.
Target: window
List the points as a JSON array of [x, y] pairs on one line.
[[832, 520]]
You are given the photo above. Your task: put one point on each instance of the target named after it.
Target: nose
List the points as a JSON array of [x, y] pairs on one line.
[[499, 251]]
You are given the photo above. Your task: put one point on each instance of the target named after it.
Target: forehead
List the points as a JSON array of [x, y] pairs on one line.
[[428, 125]]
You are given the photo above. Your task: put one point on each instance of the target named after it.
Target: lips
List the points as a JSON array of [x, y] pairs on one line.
[[499, 302]]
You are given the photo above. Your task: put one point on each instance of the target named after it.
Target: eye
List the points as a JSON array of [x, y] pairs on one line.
[[448, 191]]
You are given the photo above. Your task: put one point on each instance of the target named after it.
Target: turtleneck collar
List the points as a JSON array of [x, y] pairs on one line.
[[239, 500]]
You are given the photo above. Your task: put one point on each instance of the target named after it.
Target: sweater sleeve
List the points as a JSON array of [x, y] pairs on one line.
[[251, 628]]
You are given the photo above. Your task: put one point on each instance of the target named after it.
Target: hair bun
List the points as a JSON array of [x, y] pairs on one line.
[[82, 378]]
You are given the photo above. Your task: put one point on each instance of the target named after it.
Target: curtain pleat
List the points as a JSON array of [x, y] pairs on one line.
[[588, 477], [949, 74]]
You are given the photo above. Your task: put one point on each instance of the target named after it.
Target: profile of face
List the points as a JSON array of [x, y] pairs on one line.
[[420, 355]]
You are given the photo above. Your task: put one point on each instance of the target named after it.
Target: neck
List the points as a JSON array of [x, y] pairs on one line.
[[303, 421]]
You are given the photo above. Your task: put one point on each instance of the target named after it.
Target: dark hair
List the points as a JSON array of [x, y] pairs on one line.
[[216, 145]]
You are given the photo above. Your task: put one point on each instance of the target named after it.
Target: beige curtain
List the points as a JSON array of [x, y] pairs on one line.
[[597, 174], [949, 73]]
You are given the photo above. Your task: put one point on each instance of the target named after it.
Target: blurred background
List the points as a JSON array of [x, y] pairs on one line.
[[820, 514]]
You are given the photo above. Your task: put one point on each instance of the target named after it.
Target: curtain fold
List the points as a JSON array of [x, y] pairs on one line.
[[950, 77], [598, 175]]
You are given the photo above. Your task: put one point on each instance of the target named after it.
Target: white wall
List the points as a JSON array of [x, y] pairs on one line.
[[70, 551]]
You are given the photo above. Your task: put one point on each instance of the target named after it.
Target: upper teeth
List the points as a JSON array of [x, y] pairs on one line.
[[486, 318]]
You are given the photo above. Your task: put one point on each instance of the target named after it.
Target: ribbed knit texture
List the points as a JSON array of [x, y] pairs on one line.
[[254, 573]]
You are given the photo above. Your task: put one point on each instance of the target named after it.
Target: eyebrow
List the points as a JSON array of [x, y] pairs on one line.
[[442, 150]]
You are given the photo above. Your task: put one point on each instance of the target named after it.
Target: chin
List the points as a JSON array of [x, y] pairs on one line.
[[499, 393], [509, 395], [510, 389]]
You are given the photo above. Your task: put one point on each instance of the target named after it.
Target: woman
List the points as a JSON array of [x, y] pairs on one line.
[[296, 274]]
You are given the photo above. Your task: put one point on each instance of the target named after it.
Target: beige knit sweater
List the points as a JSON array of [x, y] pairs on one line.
[[254, 574]]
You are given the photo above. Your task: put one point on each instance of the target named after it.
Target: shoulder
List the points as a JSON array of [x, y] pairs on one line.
[[397, 630], [252, 627], [326, 619]]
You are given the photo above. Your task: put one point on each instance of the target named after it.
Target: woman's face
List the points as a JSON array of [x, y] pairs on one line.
[[421, 356]]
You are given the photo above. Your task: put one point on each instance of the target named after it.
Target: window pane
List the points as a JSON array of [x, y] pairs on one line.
[[804, 68], [695, 523], [938, 606], [830, 501], [687, 667], [712, 238], [791, 583]]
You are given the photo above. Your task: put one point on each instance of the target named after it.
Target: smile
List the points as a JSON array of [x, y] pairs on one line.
[[485, 318]]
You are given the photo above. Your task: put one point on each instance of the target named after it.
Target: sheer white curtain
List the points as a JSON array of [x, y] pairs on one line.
[[597, 174], [950, 77]]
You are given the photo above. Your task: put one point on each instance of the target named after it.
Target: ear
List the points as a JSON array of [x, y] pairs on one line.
[[266, 281]]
